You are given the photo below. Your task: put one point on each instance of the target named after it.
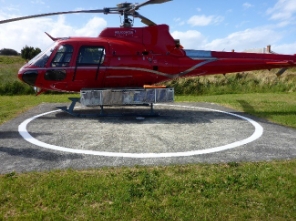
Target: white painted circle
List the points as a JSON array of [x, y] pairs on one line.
[[257, 134]]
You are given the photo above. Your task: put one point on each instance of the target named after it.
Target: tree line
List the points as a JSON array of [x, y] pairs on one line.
[[27, 52]]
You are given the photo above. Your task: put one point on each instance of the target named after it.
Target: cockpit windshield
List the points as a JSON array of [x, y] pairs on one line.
[[41, 59]]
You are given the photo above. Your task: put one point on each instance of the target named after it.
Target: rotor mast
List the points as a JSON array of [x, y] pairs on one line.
[[127, 22], [127, 10]]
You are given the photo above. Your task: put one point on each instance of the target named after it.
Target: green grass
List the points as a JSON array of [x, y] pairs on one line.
[[9, 66], [12, 106], [9, 84], [233, 191], [11, 60], [276, 107], [237, 83]]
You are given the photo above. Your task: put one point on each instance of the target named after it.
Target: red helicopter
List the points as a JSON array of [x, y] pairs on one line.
[[131, 57]]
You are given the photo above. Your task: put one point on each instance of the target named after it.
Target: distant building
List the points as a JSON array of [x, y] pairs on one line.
[[266, 50]]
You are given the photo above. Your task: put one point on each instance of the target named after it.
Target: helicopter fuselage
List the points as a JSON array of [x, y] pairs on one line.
[[133, 57]]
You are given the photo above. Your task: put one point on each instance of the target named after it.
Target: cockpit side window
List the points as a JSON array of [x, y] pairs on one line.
[[91, 55], [63, 56]]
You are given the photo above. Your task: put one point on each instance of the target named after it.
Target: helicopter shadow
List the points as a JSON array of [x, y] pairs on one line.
[[32, 153], [15, 134], [139, 115]]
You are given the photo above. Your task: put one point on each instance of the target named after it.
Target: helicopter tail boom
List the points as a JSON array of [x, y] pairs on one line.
[[215, 62]]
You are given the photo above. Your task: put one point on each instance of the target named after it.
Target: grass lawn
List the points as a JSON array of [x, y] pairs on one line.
[[233, 191], [277, 107], [11, 106]]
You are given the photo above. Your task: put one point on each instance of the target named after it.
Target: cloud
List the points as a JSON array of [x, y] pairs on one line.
[[31, 32], [190, 39], [242, 24], [62, 28], [252, 38], [247, 39], [38, 2], [202, 20], [285, 48], [10, 9], [92, 27], [247, 5], [179, 22], [283, 10], [239, 41]]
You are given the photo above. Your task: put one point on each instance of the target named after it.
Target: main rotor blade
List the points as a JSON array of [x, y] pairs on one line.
[[149, 2], [144, 20], [55, 13], [125, 8]]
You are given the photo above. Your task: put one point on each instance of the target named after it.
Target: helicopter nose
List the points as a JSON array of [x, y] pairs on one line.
[[29, 77]]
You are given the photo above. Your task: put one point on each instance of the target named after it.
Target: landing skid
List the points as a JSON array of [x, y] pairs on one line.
[[120, 98], [102, 113]]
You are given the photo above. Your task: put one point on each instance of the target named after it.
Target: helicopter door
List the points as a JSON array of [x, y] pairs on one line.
[[88, 63]]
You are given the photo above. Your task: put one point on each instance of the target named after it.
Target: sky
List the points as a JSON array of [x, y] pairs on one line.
[[217, 25]]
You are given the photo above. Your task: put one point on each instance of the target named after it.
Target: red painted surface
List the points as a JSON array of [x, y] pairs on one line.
[[135, 57]]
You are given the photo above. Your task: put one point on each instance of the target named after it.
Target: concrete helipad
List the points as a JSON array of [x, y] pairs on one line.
[[45, 138]]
